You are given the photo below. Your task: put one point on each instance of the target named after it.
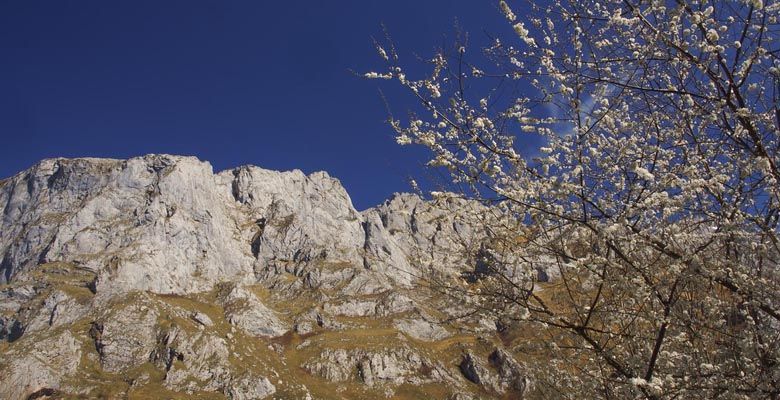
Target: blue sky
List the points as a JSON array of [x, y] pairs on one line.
[[232, 82]]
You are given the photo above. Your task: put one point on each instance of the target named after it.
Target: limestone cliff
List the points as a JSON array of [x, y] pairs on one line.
[[155, 277]]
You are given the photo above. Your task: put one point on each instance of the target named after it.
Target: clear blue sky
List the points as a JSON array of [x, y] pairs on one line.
[[232, 82]]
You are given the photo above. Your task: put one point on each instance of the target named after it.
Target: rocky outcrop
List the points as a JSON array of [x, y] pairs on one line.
[[474, 370], [38, 366], [200, 362], [511, 375], [385, 366], [502, 373], [125, 337], [249, 388], [58, 309], [10, 329], [421, 329], [384, 305], [244, 310], [298, 218], [427, 233]]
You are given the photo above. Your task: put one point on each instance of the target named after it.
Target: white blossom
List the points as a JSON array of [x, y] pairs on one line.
[[375, 75], [650, 187], [507, 11]]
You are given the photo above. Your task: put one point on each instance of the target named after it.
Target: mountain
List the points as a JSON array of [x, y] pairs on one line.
[[155, 277]]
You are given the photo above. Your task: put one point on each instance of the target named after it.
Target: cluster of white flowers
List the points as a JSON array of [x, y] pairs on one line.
[[522, 32], [507, 11], [376, 75]]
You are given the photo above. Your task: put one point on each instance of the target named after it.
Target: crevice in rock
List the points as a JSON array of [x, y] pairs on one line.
[[413, 223], [42, 393], [96, 333], [92, 285], [366, 243], [12, 330], [58, 180], [234, 189], [6, 268], [257, 239], [53, 314]]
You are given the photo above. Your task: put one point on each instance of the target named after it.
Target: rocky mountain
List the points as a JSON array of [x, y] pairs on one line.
[[155, 277]]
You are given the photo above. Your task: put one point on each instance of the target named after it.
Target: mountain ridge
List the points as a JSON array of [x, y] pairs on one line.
[[157, 275]]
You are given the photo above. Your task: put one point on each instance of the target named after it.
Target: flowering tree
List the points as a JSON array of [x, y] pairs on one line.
[[655, 193]]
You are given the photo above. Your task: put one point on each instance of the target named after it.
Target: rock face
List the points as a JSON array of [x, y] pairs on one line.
[[125, 338], [156, 277], [158, 223], [299, 218]]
